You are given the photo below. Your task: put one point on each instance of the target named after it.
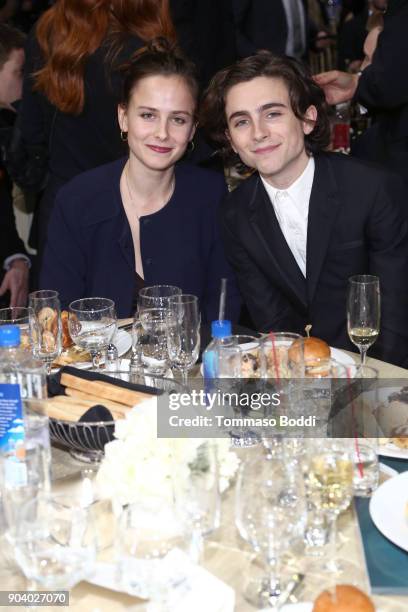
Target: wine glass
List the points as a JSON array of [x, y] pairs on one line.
[[270, 513], [92, 324], [363, 312], [183, 333], [329, 481], [45, 326], [55, 541]]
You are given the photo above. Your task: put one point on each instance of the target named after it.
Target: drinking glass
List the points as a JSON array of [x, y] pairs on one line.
[[152, 548], [183, 333], [270, 514], [92, 324], [21, 318], [149, 341], [55, 543], [278, 364], [329, 481], [45, 326], [240, 356], [363, 312]]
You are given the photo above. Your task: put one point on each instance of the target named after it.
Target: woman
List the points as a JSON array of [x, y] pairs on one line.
[[72, 81], [143, 219]]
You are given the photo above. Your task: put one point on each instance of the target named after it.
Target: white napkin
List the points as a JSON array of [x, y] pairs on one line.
[[200, 591]]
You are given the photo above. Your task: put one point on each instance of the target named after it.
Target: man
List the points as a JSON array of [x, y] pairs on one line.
[[281, 26], [306, 221], [382, 88], [14, 263]]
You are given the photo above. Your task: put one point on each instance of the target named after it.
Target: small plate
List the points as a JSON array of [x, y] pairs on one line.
[[388, 509], [393, 451]]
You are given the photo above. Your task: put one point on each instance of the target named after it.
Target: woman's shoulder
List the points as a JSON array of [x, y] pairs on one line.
[[90, 188]]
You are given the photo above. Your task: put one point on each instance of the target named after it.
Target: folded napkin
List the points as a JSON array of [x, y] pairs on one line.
[[386, 563]]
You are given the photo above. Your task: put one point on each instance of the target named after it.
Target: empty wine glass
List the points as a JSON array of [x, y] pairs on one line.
[[92, 324], [183, 333], [45, 326], [270, 513], [55, 541], [363, 312]]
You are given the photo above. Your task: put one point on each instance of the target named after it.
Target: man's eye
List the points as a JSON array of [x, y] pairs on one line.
[[274, 114], [241, 122]]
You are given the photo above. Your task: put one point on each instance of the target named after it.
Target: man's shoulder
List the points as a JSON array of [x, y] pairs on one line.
[[347, 168]]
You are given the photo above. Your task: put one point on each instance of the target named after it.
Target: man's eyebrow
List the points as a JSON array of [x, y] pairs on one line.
[[260, 109], [155, 110]]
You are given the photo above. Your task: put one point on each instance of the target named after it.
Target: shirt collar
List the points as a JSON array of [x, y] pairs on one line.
[[300, 189]]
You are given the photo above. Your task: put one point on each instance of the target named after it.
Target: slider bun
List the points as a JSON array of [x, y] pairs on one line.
[[348, 599], [314, 348]]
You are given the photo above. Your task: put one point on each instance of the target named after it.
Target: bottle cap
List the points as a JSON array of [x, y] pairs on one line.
[[9, 335], [220, 329]]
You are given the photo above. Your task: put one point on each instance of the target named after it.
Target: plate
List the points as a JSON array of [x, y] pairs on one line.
[[341, 357], [393, 451], [388, 510], [123, 342]]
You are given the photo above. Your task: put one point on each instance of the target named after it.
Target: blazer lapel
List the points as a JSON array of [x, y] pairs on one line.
[[267, 228], [323, 209]]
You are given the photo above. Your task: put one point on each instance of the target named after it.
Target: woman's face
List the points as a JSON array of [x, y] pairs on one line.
[[159, 121]]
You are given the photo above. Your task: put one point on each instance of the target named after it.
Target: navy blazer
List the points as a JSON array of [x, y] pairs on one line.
[[90, 250]]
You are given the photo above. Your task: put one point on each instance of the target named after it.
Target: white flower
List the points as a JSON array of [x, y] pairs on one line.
[[138, 464]]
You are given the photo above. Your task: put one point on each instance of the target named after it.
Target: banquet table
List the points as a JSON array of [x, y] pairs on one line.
[[226, 555]]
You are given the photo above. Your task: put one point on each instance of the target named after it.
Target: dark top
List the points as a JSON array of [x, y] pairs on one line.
[[383, 90], [357, 224], [90, 248]]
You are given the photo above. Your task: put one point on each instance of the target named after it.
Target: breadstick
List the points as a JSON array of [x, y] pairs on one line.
[[104, 390]]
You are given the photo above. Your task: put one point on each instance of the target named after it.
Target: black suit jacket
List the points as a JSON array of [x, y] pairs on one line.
[[261, 24], [383, 89], [356, 225]]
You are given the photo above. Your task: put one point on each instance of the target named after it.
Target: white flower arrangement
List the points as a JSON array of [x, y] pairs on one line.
[[138, 464]]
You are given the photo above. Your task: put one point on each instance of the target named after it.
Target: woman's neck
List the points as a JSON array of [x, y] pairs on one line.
[[148, 187]]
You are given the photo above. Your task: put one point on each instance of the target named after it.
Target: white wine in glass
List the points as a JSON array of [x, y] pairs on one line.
[[363, 312]]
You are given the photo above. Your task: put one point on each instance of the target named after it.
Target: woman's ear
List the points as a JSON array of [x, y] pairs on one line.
[[122, 118]]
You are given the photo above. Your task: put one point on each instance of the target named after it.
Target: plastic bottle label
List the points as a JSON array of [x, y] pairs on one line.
[[11, 417]]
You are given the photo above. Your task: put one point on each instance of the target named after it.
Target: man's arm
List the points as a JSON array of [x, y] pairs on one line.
[[267, 306]]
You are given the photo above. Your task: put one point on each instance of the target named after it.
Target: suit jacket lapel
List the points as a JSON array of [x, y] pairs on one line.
[[267, 228], [323, 208]]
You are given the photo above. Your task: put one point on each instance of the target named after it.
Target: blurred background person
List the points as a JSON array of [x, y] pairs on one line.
[[382, 89], [72, 83], [14, 263]]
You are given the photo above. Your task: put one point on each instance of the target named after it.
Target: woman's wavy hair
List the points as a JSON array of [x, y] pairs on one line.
[[159, 58], [303, 92], [72, 30]]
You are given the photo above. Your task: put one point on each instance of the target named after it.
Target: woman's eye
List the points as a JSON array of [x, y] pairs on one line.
[[147, 115], [179, 120]]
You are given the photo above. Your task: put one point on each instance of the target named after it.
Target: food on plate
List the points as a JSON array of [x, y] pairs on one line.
[[348, 598], [74, 354], [314, 352], [399, 436], [250, 365], [48, 319], [392, 417], [66, 337]]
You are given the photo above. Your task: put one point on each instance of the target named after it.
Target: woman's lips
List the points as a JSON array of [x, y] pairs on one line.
[[158, 149]]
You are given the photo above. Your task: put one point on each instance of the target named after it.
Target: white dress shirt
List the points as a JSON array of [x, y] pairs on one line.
[[291, 208]]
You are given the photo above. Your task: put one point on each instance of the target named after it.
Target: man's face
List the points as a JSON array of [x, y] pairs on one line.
[[264, 130], [11, 77]]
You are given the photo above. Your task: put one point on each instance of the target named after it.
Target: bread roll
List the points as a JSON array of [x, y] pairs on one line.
[[348, 599]]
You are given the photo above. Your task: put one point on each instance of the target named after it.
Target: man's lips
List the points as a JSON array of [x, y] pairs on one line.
[[158, 149], [268, 149]]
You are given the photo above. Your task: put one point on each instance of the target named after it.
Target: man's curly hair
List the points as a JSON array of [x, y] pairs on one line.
[[303, 92]]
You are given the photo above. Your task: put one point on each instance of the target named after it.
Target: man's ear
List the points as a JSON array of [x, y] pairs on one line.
[[309, 120], [228, 135], [122, 118]]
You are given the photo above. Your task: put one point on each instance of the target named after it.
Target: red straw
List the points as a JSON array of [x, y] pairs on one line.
[[275, 354]]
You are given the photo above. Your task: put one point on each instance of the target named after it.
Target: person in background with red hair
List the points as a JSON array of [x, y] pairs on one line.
[[72, 84]]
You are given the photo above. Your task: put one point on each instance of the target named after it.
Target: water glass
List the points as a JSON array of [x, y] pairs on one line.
[[156, 296], [92, 324], [183, 333], [21, 318], [55, 542], [240, 356], [45, 326], [278, 361], [153, 339]]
